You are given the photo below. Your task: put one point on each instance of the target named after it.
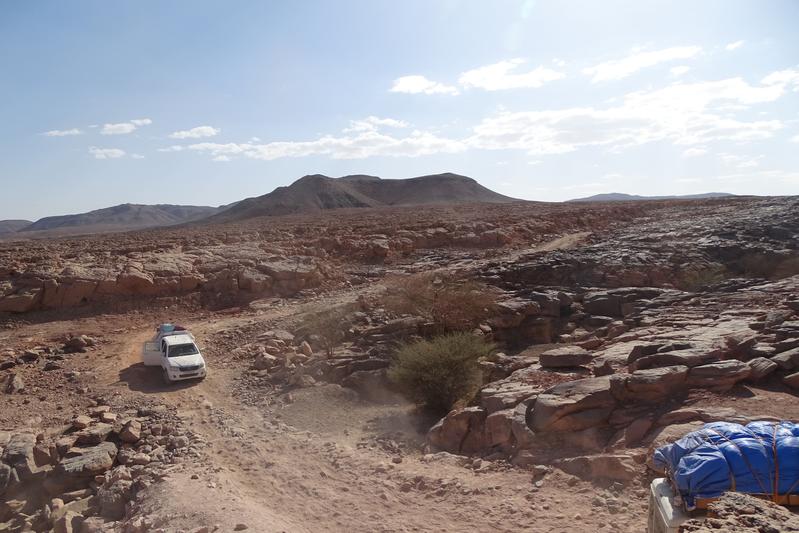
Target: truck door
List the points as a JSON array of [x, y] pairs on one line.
[[151, 355]]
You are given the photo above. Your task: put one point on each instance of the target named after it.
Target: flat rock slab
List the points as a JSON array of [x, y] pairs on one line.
[[718, 376], [761, 368], [85, 462], [566, 357], [94, 434], [573, 406], [650, 385]]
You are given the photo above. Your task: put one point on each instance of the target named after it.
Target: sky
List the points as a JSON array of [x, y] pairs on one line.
[[200, 102]]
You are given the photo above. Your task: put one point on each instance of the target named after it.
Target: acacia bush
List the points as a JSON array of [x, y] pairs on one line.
[[441, 373], [452, 305], [326, 328]]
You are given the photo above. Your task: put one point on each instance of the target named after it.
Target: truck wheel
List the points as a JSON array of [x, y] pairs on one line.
[[165, 377]]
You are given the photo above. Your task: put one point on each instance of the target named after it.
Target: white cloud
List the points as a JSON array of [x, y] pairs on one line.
[[783, 78], [420, 85], [679, 70], [372, 123], [106, 153], [358, 146], [682, 113], [498, 76], [695, 152], [221, 159], [734, 46], [195, 133], [62, 133], [622, 68], [358, 142], [795, 139], [687, 115], [123, 128], [136, 156], [740, 161]]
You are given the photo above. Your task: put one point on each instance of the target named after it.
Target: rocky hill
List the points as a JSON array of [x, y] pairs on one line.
[[119, 218], [316, 193], [623, 197], [11, 226]]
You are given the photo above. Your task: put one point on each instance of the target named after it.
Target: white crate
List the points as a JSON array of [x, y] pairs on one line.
[[664, 516]]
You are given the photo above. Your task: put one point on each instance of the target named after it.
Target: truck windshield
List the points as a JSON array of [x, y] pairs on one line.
[[182, 349]]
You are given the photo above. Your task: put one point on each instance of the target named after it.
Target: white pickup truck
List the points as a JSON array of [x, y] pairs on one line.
[[173, 349]]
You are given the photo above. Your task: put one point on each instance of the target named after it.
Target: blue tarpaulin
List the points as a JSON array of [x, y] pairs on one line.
[[759, 458]]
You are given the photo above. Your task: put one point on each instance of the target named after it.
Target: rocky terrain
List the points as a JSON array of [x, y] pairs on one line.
[[619, 327]]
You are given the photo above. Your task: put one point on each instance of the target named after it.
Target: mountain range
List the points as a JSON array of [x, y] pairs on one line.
[[622, 197], [309, 194]]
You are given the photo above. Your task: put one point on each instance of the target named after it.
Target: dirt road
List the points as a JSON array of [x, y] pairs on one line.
[[320, 459]]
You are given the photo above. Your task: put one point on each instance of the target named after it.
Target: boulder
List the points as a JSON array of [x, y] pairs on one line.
[[499, 428], [688, 357], [792, 380], [718, 376], [94, 434], [21, 302], [88, 462], [131, 431], [506, 394], [6, 475], [70, 522], [12, 383], [306, 349], [788, 360], [264, 361], [81, 422], [761, 368], [573, 405], [112, 497], [650, 385], [461, 431], [589, 440], [18, 454], [601, 467], [642, 349], [522, 434], [77, 344], [565, 357], [602, 303]]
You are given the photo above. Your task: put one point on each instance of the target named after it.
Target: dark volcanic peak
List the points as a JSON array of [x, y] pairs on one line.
[[316, 192], [622, 197], [121, 218]]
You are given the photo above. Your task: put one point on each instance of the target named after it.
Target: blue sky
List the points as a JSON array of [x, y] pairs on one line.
[[199, 102]]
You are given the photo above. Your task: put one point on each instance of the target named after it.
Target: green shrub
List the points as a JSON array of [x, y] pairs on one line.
[[452, 305], [327, 328], [440, 373]]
